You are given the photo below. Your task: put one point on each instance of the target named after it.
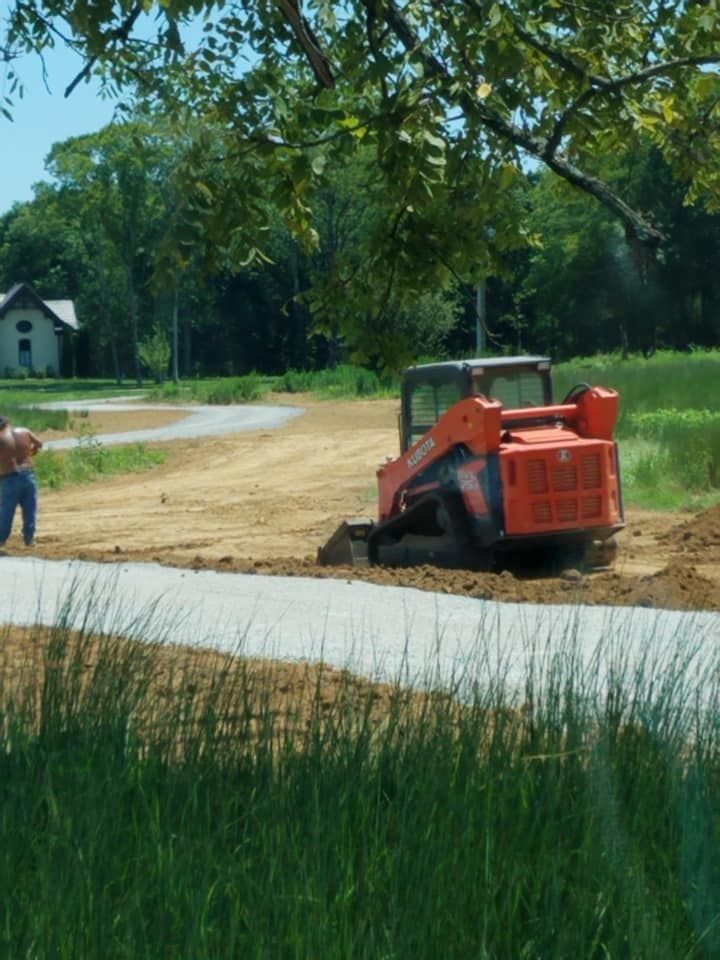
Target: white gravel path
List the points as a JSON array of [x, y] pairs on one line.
[[199, 421], [383, 632]]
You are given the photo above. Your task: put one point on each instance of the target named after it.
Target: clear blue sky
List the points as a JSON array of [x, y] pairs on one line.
[[43, 118]]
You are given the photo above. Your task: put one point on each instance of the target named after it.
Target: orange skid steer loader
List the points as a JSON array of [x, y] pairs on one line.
[[490, 465]]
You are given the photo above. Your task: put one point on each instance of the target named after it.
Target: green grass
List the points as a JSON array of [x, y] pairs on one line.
[[215, 390], [342, 382], [146, 813], [20, 393], [34, 419], [668, 379], [90, 460]]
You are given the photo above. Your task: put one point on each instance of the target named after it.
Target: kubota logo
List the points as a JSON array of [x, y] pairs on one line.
[[564, 456], [422, 451]]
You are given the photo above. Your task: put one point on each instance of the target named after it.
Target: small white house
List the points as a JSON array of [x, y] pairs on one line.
[[34, 333]]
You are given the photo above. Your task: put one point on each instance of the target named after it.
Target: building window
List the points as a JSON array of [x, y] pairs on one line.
[[23, 326], [24, 353]]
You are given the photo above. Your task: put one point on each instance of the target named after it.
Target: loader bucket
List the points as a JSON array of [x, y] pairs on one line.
[[348, 545]]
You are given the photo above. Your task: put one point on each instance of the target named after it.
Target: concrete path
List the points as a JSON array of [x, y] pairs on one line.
[[200, 421], [386, 633]]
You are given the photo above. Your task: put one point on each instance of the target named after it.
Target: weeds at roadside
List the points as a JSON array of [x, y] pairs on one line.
[[91, 459], [344, 381]]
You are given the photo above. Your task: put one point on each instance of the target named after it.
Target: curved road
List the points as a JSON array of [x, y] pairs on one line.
[[200, 420], [388, 633]]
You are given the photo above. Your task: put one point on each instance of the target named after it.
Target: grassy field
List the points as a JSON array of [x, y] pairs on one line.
[[90, 459], [669, 427], [155, 806]]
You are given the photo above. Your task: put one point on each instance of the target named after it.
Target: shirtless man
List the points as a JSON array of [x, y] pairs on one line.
[[18, 486]]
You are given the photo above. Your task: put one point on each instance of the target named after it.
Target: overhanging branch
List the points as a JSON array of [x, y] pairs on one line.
[[122, 33], [636, 225], [308, 41]]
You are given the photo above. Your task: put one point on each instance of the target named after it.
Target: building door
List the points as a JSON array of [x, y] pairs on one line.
[[24, 353]]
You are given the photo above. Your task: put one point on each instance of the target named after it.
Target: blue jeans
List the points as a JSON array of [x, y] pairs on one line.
[[18, 489]]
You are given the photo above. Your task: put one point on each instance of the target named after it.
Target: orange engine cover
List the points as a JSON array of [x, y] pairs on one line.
[[553, 480]]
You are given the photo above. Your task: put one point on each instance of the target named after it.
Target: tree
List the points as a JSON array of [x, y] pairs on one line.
[[456, 101], [109, 184], [155, 352], [580, 288]]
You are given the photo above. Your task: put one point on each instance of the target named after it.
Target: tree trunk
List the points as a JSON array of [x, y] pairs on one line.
[[297, 312], [132, 299], [175, 363], [105, 299], [187, 343]]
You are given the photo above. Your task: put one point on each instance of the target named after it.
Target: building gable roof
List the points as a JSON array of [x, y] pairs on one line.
[[59, 311]]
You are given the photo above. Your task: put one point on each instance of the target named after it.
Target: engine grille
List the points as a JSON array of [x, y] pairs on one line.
[[564, 478], [564, 493], [537, 476], [591, 471]]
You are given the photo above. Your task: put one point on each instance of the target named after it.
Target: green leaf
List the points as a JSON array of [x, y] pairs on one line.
[[318, 164], [508, 175]]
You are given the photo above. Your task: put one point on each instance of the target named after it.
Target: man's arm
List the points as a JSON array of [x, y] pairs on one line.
[[27, 441], [35, 442]]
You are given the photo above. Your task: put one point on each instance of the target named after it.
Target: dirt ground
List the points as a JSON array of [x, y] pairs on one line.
[[264, 501]]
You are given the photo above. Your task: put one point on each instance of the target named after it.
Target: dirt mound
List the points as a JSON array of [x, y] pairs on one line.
[[698, 538], [676, 586]]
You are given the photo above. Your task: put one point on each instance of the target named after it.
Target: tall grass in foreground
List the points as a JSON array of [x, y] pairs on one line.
[[159, 804]]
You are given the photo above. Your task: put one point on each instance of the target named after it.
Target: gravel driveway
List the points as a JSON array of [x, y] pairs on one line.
[[200, 420]]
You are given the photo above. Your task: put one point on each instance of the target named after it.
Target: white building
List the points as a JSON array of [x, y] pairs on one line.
[[35, 334]]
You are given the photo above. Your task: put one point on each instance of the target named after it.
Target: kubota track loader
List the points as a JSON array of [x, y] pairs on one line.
[[490, 465]]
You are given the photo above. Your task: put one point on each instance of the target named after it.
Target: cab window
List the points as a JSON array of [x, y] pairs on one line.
[[514, 389], [428, 402]]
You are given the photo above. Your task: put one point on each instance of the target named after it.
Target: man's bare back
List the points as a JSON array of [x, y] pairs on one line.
[[17, 448], [26, 445], [8, 448]]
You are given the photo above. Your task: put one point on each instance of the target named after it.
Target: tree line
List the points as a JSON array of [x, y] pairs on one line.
[[101, 231]]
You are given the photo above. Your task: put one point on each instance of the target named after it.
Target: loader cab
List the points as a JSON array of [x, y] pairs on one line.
[[429, 390]]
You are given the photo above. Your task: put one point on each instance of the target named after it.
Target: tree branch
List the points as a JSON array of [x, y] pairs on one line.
[[606, 85], [597, 84], [473, 108], [542, 46], [121, 33], [308, 41]]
